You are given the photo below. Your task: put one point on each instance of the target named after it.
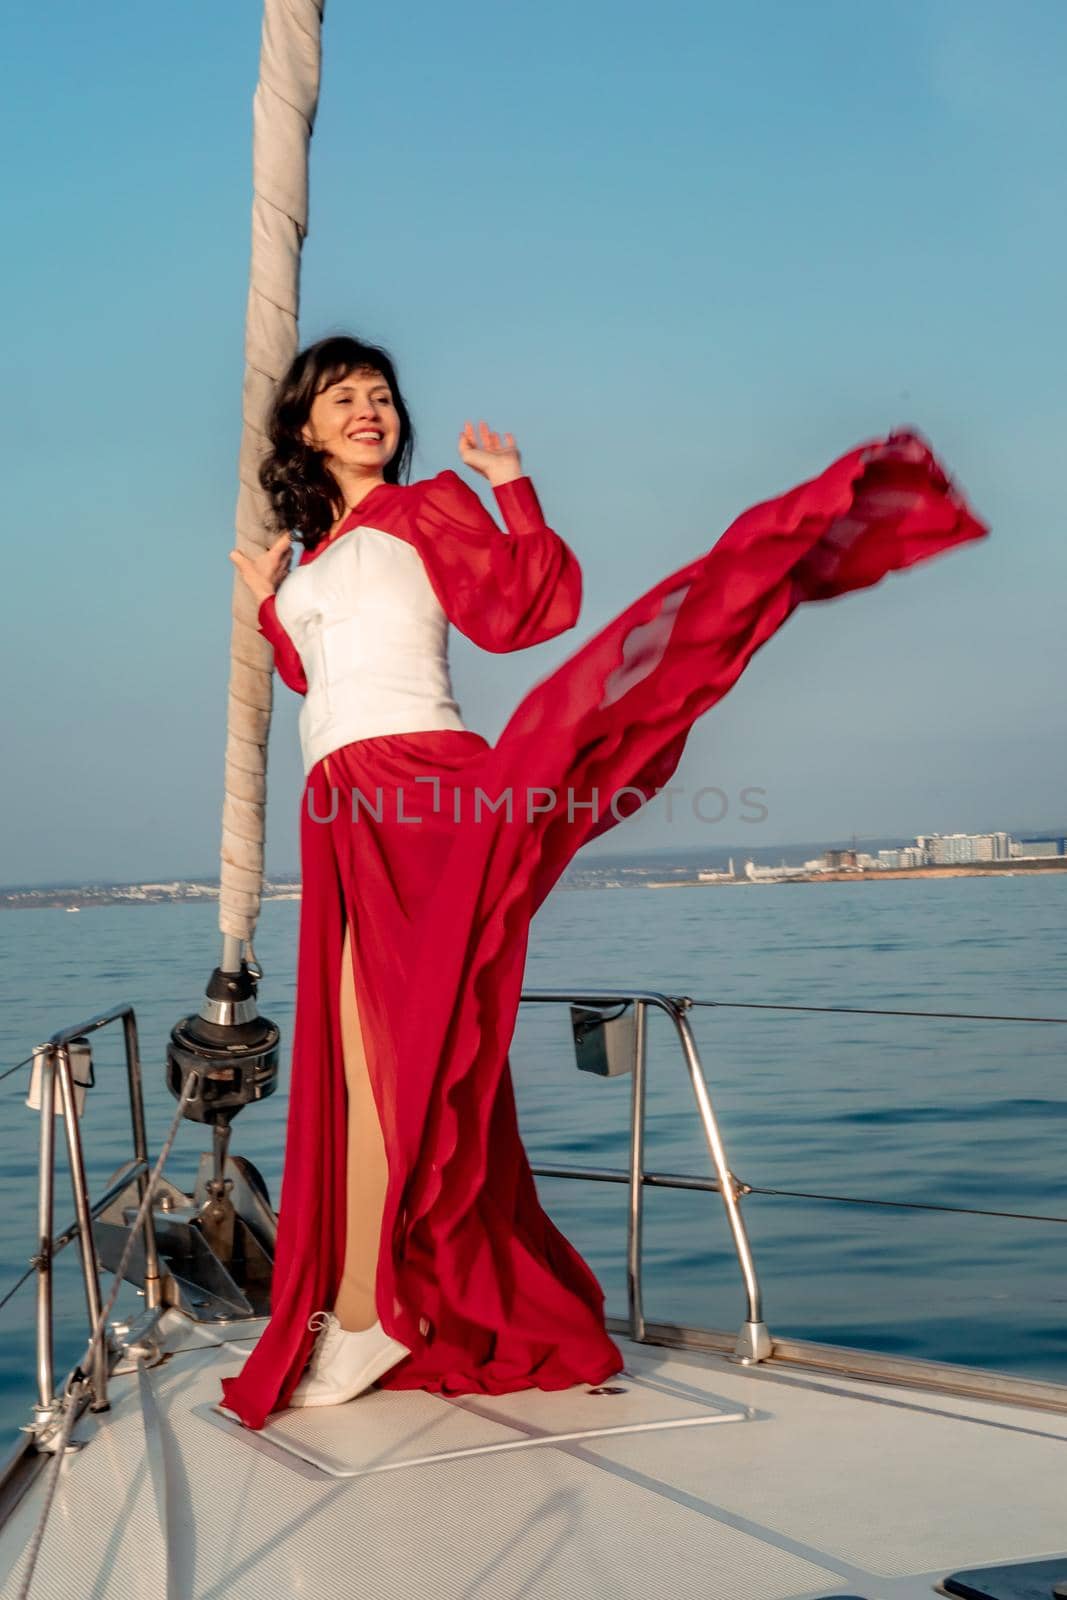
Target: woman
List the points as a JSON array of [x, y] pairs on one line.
[[412, 1249]]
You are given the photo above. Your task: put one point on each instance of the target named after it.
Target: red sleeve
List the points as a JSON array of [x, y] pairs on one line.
[[503, 590], [286, 656]]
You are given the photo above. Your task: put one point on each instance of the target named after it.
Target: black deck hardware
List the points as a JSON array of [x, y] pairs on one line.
[[1026, 1580]]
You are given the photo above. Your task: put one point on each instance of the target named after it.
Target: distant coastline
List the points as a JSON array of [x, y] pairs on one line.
[[637, 873], [992, 869], [80, 897]]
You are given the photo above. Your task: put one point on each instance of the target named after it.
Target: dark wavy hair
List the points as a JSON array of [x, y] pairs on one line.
[[305, 497]]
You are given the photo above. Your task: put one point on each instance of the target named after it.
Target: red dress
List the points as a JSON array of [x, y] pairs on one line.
[[473, 1276]]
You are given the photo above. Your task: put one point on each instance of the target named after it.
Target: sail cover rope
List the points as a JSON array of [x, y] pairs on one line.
[[283, 116]]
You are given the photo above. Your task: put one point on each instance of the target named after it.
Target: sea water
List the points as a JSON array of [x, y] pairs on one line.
[[937, 1111]]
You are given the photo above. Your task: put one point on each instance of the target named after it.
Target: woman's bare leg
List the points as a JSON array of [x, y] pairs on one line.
[[367, 1170]]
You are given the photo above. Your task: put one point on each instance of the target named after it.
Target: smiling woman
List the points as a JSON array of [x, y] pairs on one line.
[[318, 467], [355, 424], [412, 1248]]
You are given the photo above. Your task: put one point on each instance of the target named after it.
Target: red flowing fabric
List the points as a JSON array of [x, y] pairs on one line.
[[473, 1275]]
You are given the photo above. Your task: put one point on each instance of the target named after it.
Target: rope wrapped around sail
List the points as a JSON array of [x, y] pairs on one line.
[[283, 116]]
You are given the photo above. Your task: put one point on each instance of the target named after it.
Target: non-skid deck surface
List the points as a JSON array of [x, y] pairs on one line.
[[808, 1489], [385, 1430]]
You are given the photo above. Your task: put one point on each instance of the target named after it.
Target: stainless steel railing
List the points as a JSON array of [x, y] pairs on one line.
[[53, 1060], [87, 1382], [754, 1341]]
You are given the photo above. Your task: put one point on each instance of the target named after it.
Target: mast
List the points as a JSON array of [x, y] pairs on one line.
[[228, 1050], [283, 116]]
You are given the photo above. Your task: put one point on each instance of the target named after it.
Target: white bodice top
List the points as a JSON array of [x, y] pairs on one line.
[[373, 638]]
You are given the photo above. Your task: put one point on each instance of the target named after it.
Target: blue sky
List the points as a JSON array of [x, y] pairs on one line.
[[687, 254]]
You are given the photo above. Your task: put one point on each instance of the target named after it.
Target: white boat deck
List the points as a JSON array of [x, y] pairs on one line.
[[686, 1477]]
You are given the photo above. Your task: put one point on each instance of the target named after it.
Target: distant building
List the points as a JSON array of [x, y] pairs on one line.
[[956, 849], [756, 874], [712, 875]]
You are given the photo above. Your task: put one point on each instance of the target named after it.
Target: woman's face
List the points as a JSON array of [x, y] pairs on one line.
[[355, 422]]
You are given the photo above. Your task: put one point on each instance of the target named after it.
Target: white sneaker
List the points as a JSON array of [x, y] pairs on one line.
[[344, 1363]]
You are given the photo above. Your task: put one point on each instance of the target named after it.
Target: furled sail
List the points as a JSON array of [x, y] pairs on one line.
[[284, 108]]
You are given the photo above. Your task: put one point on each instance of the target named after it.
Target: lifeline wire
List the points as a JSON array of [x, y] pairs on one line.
[[868, 1011]]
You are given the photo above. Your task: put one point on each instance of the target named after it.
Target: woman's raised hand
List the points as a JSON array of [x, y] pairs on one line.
[[264, 573], [498, 461]]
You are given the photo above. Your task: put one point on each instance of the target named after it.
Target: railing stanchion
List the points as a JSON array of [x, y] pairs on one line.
[[46, 1389], [637, 1175], [153, 1285], [754, 1340], [84, 1217]]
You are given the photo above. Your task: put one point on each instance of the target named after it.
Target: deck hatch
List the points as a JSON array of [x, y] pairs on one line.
[[1026, 1580], [398, 1428]]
